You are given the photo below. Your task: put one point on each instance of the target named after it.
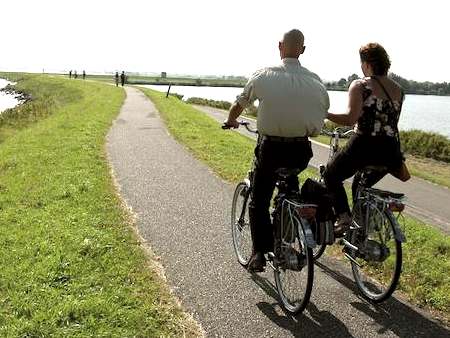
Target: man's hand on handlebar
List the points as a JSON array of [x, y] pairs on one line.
[[228, 124]]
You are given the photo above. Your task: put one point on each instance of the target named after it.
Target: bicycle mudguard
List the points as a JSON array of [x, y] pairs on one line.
[[398, 233], [309, 236]]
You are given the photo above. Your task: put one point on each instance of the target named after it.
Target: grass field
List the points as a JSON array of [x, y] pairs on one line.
[[71, 264], [425, 278]]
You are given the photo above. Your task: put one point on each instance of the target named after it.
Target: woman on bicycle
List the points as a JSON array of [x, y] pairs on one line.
[[374, 107]]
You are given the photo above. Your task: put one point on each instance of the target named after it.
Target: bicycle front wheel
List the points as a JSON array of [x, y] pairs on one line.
[[240, 224], [294, 268], [319, 249], [378, 262]]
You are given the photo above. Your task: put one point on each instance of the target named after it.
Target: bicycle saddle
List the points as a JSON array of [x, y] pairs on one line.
[[385, 193], [286, 172]]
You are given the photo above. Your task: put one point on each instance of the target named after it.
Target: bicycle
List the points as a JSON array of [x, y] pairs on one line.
[[292, 262], [374, 242]]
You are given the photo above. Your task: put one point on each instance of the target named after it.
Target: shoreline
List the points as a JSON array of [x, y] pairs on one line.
[[10, 92]]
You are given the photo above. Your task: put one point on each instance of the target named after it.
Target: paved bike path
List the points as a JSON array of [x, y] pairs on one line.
[[182, 211], [426, 201]]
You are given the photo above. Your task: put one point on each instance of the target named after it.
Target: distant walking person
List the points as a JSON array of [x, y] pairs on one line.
[[75, 75], [70, 74], [84, 74], [122, 78], [117, 79]]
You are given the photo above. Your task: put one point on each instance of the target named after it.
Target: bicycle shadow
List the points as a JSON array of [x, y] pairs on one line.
[[392, 315], [322, 324]]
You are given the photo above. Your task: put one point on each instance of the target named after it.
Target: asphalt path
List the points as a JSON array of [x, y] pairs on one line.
[[182, 212], [426, 201]]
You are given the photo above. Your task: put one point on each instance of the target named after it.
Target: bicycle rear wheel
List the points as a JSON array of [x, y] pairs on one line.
[[294, 267], [240, 224], [318, 251], [377, 264]]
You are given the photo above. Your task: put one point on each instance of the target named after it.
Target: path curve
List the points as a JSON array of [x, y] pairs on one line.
[[182, 211]]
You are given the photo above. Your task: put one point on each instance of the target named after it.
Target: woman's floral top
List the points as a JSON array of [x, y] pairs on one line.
[[379, 117]]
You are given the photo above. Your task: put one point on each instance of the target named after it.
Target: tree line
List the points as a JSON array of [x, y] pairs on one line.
[[409, 86]]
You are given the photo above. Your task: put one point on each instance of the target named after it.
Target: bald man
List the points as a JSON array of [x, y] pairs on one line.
[[293, 103]]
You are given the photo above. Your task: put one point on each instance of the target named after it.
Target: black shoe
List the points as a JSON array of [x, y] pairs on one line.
[[342, 225], [257, 262]]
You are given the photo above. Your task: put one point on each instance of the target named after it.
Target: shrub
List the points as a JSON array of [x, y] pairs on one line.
[[178, 96], [426, 144], [212, 103]]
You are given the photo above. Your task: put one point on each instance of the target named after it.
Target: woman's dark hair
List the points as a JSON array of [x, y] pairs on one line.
[[374, 54]]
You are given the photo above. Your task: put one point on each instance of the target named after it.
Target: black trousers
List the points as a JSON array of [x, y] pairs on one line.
[[270, 156], [359, 152]]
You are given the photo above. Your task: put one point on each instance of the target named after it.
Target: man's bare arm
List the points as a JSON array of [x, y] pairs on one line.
[[235, 110]]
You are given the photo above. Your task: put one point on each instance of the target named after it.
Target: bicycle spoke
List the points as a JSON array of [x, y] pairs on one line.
[[379, 257]]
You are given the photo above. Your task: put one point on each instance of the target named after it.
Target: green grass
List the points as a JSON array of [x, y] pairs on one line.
[[431, 170], [425, 274], [71, 264], [425, 278]]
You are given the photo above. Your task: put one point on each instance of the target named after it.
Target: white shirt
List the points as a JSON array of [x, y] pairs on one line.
[[293, 101]]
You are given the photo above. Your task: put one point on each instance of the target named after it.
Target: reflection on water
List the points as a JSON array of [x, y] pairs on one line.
[[6, 100], [425, 112]]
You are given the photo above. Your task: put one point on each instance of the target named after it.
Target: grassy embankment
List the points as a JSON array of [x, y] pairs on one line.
[[425, 278], [70, 262]]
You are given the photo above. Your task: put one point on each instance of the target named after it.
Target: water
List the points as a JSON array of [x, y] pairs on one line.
[[6, 100], [424, 112], [213, 93]]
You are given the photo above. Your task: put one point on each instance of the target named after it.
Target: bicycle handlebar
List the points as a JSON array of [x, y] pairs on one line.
[[338, 132], [246, 124]]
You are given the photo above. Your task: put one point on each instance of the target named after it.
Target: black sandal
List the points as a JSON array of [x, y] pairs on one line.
[[257, 263]]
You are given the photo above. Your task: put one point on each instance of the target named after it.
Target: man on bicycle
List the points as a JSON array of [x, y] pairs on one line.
[[293, 103]]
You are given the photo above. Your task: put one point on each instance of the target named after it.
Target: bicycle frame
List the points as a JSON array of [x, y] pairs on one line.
[[294, 208], [366, 199]]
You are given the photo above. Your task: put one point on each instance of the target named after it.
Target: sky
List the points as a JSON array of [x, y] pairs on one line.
[[230, 37]]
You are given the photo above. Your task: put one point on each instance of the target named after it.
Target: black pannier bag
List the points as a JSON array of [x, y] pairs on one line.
[[317, 193]]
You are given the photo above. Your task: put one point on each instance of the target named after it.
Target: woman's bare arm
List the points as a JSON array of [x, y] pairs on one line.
[[354, 110]]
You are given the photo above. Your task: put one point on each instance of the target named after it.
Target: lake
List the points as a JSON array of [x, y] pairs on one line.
[[424, 112], [6, 100]]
